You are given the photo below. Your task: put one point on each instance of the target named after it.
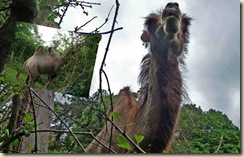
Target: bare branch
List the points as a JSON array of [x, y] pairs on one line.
[[106, 20], [64, 12], [78, 28], [101, 33], [220, 143], [34, 117], [92, 3], [111, 106], [80, 2]]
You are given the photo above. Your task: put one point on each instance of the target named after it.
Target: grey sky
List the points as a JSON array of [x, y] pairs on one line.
[[213, 62]]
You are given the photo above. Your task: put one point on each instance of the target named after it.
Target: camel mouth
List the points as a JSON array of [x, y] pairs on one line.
[[175, 12], [174, 15]]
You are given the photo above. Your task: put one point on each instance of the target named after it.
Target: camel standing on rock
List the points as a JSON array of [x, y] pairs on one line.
[[155, 114], [43, 63]]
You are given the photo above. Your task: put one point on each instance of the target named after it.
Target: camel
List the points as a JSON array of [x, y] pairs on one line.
[[155, 114], [43, 63]]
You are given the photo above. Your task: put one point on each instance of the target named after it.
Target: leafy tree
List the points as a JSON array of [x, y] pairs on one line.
[[4, 11], [205, 132], [74, 78], [26, 40]]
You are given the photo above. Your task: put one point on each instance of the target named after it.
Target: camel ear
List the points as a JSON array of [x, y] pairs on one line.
[[145, 37], [50, 50]]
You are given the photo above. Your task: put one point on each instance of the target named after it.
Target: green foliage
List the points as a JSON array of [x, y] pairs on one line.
[[74, 78], [139, 138], [82, 115], [115, 115], [29, 125], [4, 135], [123, 143], [27, 117], [4, 14], [15, 143], [201, 132], [6, 90], [25, 42]]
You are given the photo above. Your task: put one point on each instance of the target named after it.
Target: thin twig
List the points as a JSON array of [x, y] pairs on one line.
[[106, 20], [220, 143], [34, 116], [111, 106], [89, 3], [64, 12], [81, 3], [101, 33], [78, 28], [103, 63]]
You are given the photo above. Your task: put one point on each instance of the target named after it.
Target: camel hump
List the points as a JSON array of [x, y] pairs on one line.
[[125, 101], [39, 50], [126, 90]]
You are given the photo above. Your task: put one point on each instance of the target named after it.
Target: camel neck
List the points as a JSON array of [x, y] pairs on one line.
[[165, 81], [162, 105]]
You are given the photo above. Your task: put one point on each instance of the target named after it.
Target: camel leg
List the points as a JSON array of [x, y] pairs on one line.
[[32, 82], [27, 79], [49, 79]]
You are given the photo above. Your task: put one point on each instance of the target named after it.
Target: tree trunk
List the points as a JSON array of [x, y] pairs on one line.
[[43, 121], [21, 10]]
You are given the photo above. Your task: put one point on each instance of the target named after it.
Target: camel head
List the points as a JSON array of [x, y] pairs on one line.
[[166, 32], [57, 57]]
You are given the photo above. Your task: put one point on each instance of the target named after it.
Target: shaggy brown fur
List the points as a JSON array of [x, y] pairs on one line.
[[155, 114]]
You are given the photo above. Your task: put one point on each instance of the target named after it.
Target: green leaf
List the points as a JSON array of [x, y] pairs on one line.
[[6, 132], [139, 138], [3, 138], [27, 117], [15, 143], [27, 133], [123, 143], [115, 115]]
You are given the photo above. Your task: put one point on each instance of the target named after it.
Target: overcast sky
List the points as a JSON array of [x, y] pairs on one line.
[[213, 62]]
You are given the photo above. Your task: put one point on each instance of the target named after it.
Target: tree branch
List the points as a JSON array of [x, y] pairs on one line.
[[106, 20], [220, 143], [56, 131], [64, 12], [101, 33], [78, 28], [34, 117]]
